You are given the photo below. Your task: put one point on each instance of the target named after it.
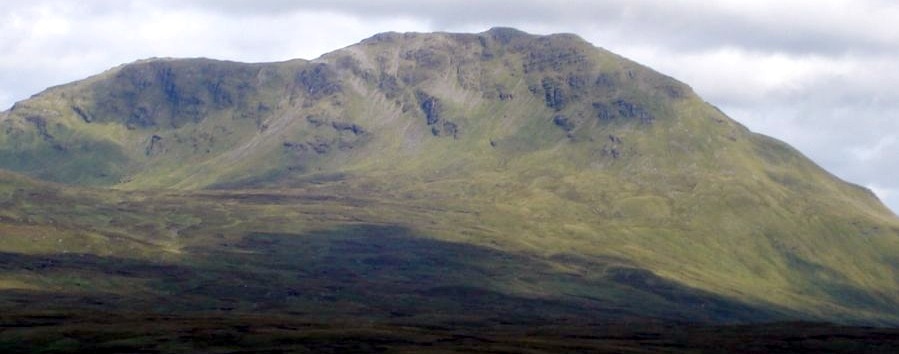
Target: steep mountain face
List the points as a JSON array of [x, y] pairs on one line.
[[590, 179], [498, 99]]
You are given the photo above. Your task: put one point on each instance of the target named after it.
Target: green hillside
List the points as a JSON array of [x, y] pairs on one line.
[[427, 178]]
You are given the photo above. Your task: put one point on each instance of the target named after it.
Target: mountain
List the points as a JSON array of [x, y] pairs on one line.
[[492, 178]]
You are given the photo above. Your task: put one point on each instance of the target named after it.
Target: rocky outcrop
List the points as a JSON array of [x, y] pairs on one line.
[[613, 148], [316, 121], [327, 136], [622, 109], [349, 127], [165, 93], [83, 114], [154, 146], [318, 81], [446, 129], [628, 109], [320, 145], [432, 110], [41, 125], [548, 55], [389, 85], [602, 112], [554, 94], [505, 35], [430, 106], [499, 93], [563, 123], [425, 58], [141, 117]]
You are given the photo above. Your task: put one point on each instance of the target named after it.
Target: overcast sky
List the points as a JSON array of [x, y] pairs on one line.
[[822, 75]]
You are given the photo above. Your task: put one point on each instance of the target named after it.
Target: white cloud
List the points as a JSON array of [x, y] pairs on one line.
[[882, 146], [728, 74], [54, 42]]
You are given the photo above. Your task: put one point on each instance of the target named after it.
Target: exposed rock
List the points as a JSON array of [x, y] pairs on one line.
[[166, 78], [83, 114], [343, 126], [425, 58], [385, 37], [141, 117], [505, 35], [631, 110], [577, 82], [563, 122], [450, 129], [605, 81], [548, 55], [173, 92], [631, 75], [318, 81], [411, 77], [622, 109], [221, 96], [500, 92], [348, 62], [137, 77], [41, 125], [389, 85], [674, 91], [154, 146], [185, 105], [445, 128], [202, 141], [486, 52], [188, 109], [295, 147], [603, 113], [430, 106], [611, 151], [503, 94], [319, 145], [614, 139], [315, 121], [553, 94]]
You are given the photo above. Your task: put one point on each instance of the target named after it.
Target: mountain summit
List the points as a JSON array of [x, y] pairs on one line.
[[499, 173], [417, 102]]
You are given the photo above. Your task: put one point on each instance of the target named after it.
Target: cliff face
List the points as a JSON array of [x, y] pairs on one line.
[[501, 94], [538, 145]]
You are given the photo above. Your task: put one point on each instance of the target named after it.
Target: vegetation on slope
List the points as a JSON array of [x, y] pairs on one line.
[[518, 176]]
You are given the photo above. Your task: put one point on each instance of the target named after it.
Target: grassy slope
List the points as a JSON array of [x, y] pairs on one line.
[[254, 251], [690, 196], [219, 271]]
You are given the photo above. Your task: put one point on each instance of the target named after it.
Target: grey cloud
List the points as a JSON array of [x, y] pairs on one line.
[[686, 25], [857, 142], [683, 25]]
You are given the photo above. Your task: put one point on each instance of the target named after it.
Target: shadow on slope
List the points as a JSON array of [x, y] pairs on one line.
[[370, 272]]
